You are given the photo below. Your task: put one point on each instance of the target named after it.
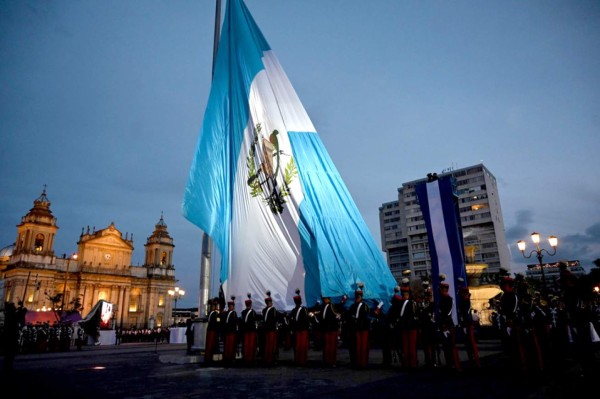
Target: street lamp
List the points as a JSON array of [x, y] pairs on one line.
[[535, 237], [74, 257], [176, 294]]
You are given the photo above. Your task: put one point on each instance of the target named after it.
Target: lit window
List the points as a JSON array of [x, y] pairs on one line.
[[39, 243]]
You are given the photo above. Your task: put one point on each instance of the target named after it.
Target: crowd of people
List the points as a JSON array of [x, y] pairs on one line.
[[21, 337]]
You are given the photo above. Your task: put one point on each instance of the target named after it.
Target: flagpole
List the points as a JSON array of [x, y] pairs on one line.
[[205, 262], [217, 34]]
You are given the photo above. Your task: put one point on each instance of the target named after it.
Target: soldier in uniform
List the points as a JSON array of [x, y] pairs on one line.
[[230, 330], [408, 323], [531, 346], [248, 323], [21, 314], [79, 337], [269, 314], [329, 321], [212, 332], [510, 326], [359, 324], [299, 322], [446, 325], [559, 332], [429, 330], [10, 338], [467, 325], [391, 341]]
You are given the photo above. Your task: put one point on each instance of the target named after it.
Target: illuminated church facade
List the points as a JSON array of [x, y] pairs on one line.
[[100, 270]]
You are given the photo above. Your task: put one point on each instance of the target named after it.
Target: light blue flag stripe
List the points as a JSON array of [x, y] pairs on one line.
[[208, 194], [333, 232]]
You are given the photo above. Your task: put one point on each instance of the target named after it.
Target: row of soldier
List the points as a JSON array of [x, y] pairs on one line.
[[540, 331], [61, 337], [408, 324], [46, 337]]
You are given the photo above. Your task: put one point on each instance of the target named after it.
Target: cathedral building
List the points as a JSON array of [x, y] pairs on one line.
[[101, 269]]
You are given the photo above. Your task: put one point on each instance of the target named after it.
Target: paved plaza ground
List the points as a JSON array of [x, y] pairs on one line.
[[145, 370]]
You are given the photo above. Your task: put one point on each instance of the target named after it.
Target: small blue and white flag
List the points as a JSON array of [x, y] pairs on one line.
[[264, 188], [444, 231]]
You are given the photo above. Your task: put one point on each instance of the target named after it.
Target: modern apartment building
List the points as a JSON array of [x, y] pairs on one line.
[[404, 235]]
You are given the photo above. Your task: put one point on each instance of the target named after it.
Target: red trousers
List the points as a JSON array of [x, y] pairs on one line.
[[450, 350], [409, 348], [330, 347], [270, 347], [301, 347], [471, 345], [249, 346], [229, 347], [211, 346], [362, 349]]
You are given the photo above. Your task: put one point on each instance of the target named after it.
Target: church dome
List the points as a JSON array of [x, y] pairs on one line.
[[7, 251]]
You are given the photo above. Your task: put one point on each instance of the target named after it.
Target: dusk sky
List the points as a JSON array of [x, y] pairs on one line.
[[102, 101]]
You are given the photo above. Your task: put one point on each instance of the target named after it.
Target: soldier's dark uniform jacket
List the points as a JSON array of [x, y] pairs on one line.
[[231, 321], [248, 320], [299, 320], [269, 318], [359, 317], [214, 321], [328, 318], [445, 312]]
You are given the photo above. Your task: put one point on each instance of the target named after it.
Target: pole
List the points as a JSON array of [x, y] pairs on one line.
[[62, 305], [206, 240], [204, 275], [217, 34], [25, 290], [175, 312], [540, 257]]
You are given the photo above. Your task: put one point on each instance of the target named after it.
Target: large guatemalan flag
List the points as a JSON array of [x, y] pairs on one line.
[[263, 186], [446, 248]]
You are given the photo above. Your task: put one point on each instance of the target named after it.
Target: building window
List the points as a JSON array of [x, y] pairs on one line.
[[163, 258], [38, 246], [161, 300], [134, 303]]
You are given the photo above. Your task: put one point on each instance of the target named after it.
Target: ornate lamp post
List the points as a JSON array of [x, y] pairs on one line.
[[176, 294], [535, 237], [74, 257]]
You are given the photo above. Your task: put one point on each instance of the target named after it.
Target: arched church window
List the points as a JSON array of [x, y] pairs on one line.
[[38, 245], [163, 258]]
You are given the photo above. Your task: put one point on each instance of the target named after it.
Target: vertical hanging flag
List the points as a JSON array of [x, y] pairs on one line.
[[264, 188], [440, 211]]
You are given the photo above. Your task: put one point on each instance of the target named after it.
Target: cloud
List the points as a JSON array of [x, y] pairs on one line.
[[584, 246], [521, 229]]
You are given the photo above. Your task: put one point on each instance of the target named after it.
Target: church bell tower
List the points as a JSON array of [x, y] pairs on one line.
[[37, 230], [159, 247]]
